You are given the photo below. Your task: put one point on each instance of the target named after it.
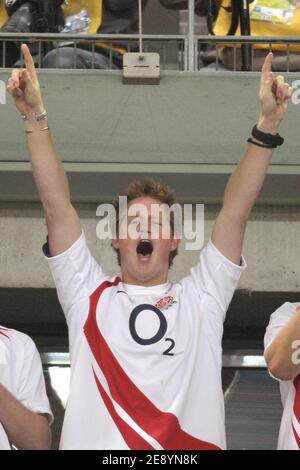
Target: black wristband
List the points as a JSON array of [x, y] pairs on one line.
[[251, 141], [267, 139]]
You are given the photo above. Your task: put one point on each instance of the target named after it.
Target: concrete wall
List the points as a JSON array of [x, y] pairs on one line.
[[188, 119], [272, 247]]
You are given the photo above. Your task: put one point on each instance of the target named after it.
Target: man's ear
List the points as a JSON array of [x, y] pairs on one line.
[[115, 243]]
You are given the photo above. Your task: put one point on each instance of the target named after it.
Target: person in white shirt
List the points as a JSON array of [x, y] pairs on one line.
[[25, 413], [146, 354], [282, 354]]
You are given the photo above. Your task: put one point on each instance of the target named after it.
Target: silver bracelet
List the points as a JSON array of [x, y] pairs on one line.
[[37, 117], [40, 117]]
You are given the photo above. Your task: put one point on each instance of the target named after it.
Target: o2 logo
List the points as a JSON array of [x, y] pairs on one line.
[[158, 335], [296, 94]]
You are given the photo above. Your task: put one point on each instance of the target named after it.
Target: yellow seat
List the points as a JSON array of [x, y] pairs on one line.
[[94, 9], [261, 28], [3, 13]]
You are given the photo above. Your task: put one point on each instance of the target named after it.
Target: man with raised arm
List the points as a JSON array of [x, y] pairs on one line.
[[282, 354], [24, 407], [146, 353]]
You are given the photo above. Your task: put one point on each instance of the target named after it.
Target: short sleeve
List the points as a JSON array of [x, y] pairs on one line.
[[216, 277], [76, 274], [31, 390], [4, 443], [278, 320]]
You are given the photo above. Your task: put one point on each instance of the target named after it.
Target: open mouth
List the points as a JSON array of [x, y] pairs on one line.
[[144, 248]]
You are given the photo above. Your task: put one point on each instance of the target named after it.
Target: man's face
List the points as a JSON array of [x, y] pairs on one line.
[[145, 242]]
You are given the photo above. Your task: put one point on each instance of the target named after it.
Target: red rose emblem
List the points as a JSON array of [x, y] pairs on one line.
[[162, 303]]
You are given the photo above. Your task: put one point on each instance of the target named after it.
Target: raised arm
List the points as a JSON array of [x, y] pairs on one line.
[[247, 180], [48, 172]]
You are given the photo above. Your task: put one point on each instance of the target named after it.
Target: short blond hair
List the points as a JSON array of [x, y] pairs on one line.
[[148, 187]]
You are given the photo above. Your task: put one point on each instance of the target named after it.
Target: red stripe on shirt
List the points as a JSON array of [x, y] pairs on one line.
[[296, 408], [3, 334], [163, 427], [131, 437]]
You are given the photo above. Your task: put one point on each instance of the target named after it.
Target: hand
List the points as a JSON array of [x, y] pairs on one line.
[[23, 86], [274, 94]]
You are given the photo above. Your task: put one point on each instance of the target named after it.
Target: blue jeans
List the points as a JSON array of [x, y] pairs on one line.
[[65, 57]]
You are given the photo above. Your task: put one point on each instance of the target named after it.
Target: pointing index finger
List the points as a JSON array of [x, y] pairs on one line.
[[28, 61], [266, 68]]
